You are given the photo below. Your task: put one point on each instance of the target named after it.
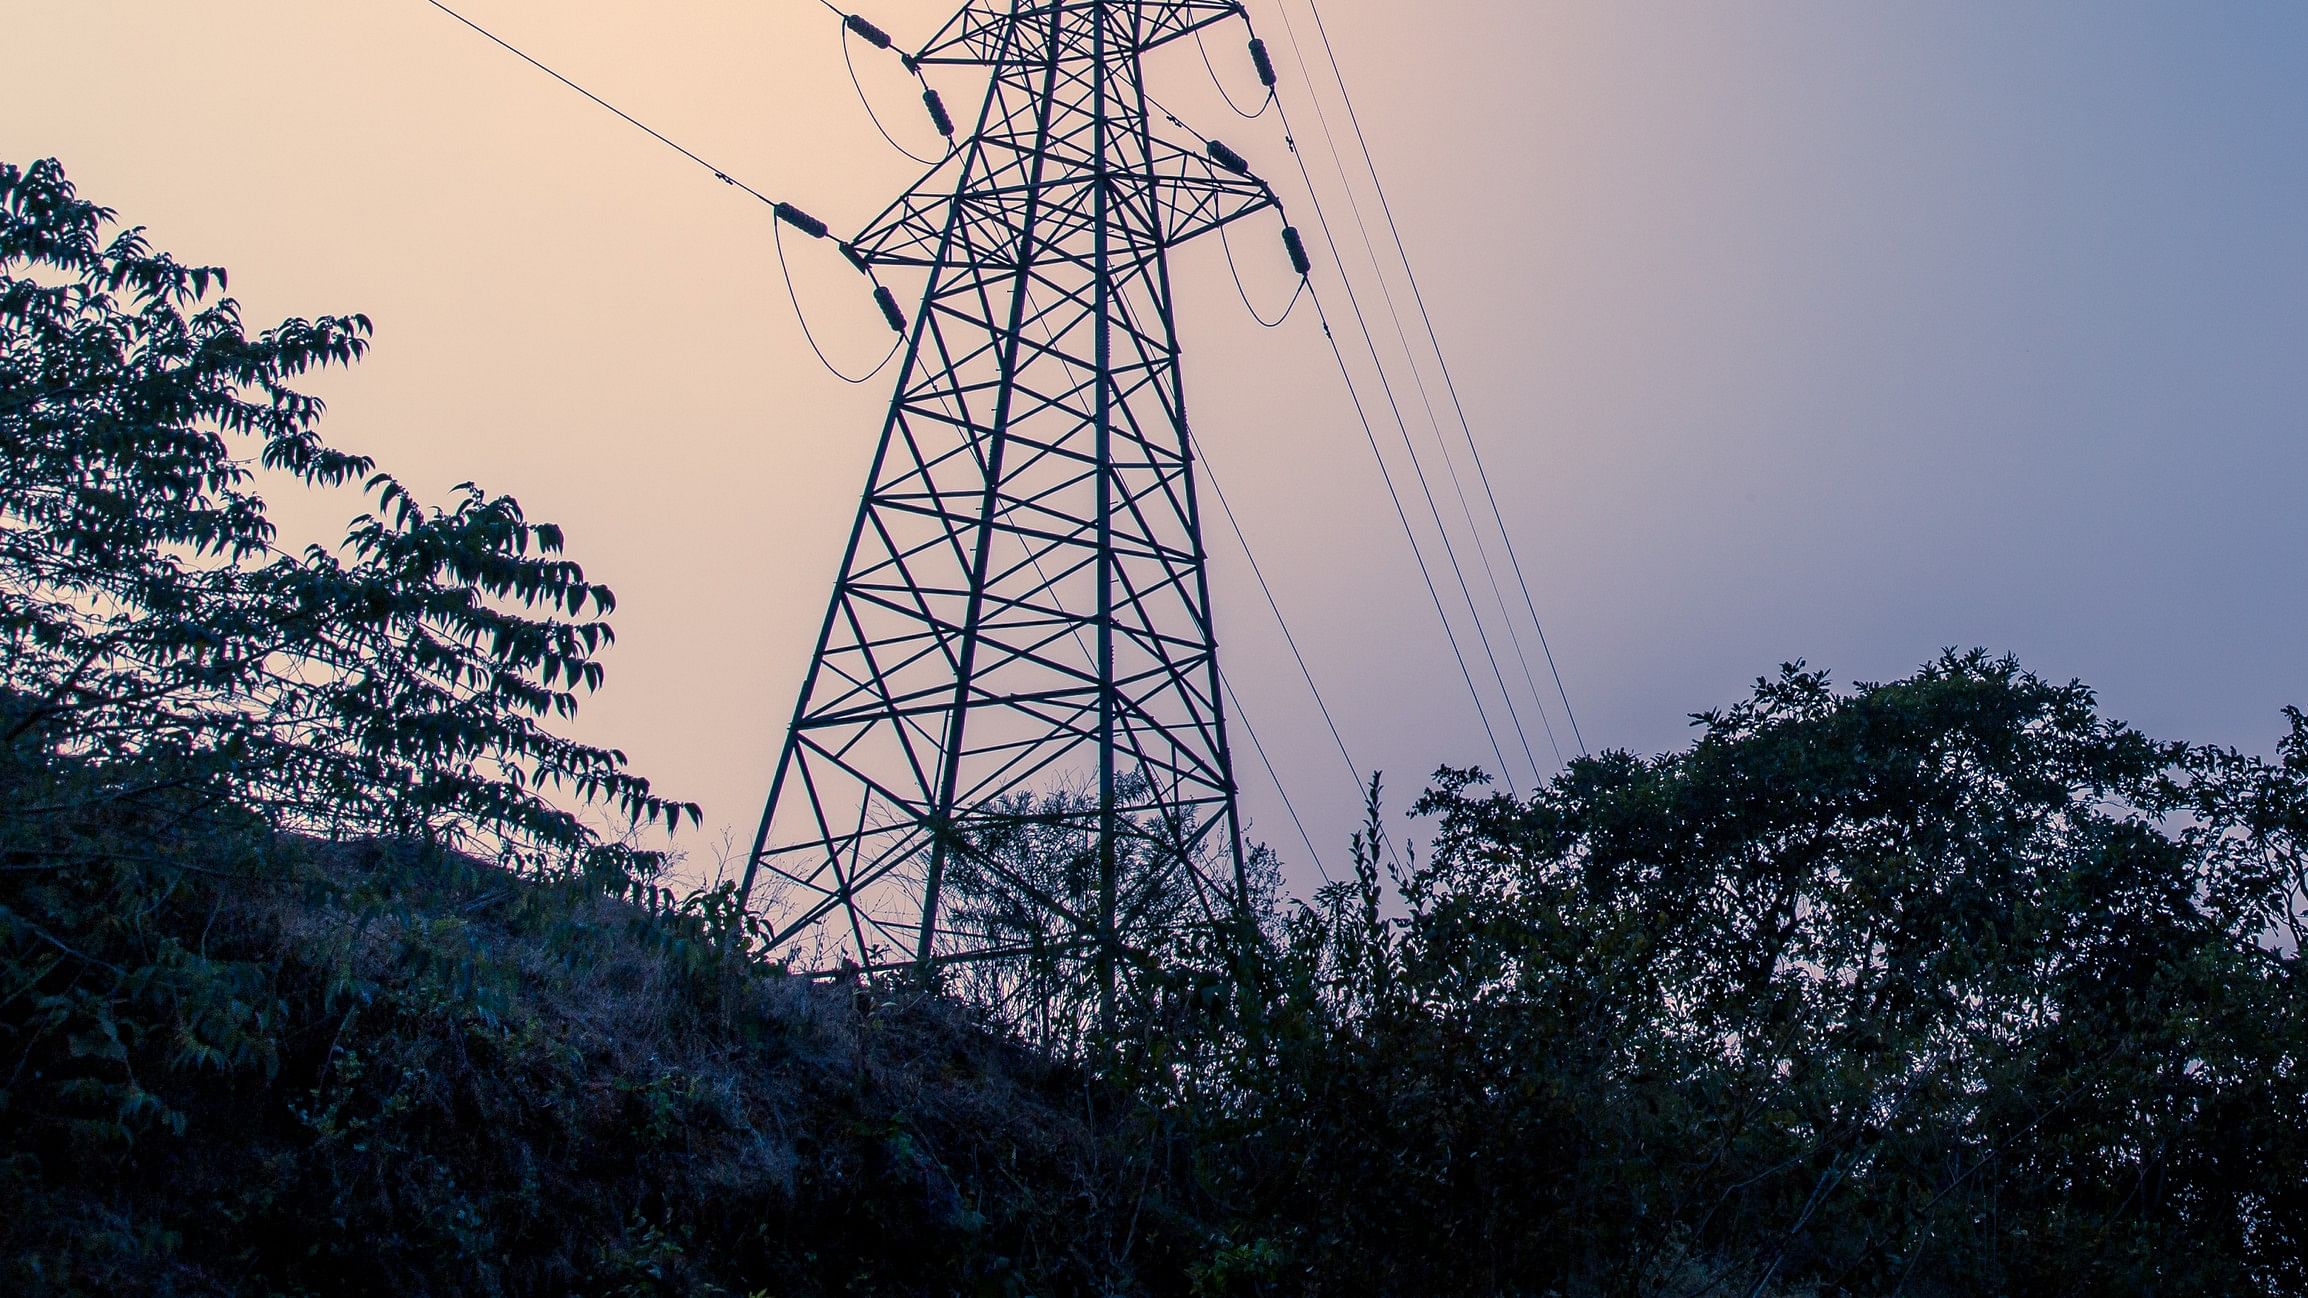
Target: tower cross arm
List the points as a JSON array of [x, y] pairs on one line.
[[1180, 196], [1194, 197]]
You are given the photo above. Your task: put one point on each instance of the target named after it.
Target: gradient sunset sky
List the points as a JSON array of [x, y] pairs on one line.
[[1842, 331]]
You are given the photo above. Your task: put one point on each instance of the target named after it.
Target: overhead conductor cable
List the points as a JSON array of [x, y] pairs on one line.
[[1259, 60], [880, 39], [1386, 386], [1426, 400], [1418, 296], [786, 213], [1434, 510], [1403, 516]]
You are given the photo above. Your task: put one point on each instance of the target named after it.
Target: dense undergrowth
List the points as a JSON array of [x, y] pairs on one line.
[[312, 982], [250, 1063]]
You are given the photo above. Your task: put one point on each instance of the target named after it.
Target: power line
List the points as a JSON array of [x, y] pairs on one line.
[[777, 240], [1289, 309], [867, 103], [786, 213], [1385, 474], [1354, 770], [1426, 399], [1426, 489], [718, 174], [1386, 386], [1240, 712], [1216, 80], [1418, 296]]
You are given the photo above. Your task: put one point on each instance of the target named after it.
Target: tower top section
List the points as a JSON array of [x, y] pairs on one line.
[[988, 33]]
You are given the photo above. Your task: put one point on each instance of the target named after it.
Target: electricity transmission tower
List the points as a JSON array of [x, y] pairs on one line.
[[1019, 647]]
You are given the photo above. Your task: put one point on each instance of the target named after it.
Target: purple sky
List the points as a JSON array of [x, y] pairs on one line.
[[1827, 330]]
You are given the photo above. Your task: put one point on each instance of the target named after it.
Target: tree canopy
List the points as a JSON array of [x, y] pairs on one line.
[[1947, 985], [404, 682], [182, 694]]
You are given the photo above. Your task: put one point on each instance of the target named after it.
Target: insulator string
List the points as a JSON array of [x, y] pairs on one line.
[[867, 103]]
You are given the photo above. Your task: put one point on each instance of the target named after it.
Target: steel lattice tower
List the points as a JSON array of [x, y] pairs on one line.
[[1020, 640]]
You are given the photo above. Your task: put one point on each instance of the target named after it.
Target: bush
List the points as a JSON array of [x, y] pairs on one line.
[[1947, 985]]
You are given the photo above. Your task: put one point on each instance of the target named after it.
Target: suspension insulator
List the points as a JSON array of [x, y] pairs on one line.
[[888, 302], [800, 220], [1227, 158], [874, 36], [938, 118], [1265, 64], [1296, 247]]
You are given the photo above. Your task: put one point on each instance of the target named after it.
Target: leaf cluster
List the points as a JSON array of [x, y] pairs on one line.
[[403, 682]]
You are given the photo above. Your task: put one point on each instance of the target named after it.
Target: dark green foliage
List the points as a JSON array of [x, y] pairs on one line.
[[399, 684], [1944, 986], [369, 1069]]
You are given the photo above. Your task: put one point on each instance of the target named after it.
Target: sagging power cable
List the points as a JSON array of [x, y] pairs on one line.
[[853, 25], [1265, 75], [1434, 426], [1482, 711], [866, 102], [718, 174], [1442, 362], [1241, 714], [785, 213], [1354, 769], [1230, 160], [1402, 515], [1288, 309], [777, 239], [1226, 158]]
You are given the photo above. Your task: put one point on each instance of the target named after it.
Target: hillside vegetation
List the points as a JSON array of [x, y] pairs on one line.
[[312, 981], [274, 1066]]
